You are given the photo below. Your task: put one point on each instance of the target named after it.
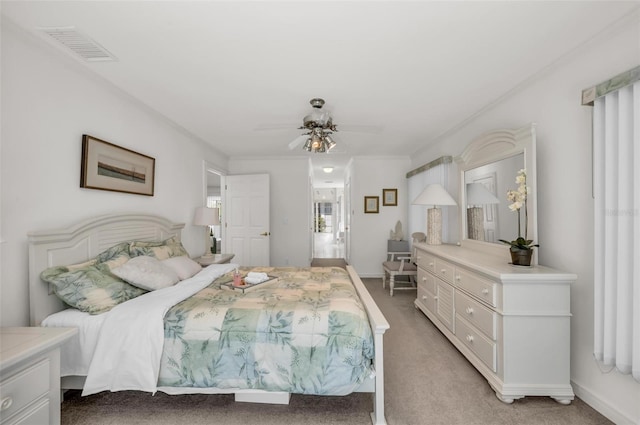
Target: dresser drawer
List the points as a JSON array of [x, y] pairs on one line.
[[37, 414], [426, 297], [24, 387], [427, 280], [481, 288], [426, 261], [483, 348], [477, 314], [444, 270]]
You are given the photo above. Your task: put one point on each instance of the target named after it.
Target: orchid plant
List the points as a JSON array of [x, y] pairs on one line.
[[518, 199]]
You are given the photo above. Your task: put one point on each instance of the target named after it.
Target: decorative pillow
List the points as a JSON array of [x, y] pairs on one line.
[[89, 287], [114, 256], [147, 273], [168, 248], [184, 266]]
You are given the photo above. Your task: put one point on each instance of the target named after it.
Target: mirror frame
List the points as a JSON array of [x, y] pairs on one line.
[[491, 147]]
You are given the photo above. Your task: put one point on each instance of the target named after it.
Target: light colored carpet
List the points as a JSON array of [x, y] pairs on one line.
[[427, 381]]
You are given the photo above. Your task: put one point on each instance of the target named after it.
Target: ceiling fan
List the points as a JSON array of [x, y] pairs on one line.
[[319, 125]]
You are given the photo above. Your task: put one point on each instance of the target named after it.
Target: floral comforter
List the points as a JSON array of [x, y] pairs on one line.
[[306, 333]]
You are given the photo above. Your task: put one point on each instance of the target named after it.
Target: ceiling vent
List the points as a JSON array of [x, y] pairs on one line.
[[78, 43]]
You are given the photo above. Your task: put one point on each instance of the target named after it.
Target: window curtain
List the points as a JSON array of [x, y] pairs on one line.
[[616, 125]]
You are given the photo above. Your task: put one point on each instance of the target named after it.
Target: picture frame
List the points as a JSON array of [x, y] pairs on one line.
[[371, 204], [390, 197], [106, 166]]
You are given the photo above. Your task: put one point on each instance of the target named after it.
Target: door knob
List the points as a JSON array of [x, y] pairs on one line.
[[265, 233]]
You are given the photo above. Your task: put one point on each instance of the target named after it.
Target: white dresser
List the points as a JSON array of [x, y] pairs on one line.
[[511, 322], [30, 374]]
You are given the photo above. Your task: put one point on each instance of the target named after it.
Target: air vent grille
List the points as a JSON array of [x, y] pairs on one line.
[[79, 44]]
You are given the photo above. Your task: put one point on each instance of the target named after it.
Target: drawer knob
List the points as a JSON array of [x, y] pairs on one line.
[[469, 338], [424, 278], [443, 271], [431, 264], [469, 310], [424, 297], [6, 403], [458, 278], [485, 291]]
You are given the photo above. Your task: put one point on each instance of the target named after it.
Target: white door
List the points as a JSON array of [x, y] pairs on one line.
[[247, 218]]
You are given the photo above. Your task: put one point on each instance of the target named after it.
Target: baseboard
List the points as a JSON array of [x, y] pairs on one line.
[[601, 406], [370, 275]]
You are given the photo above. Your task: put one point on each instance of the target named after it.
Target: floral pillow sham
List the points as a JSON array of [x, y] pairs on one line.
[[89, 287], [168, 248], [93, 288]]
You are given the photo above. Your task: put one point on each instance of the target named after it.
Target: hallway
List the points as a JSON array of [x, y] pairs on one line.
[[325, 247]]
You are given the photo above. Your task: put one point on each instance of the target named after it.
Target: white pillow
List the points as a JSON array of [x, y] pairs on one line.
[[183, 266], [147, 273]]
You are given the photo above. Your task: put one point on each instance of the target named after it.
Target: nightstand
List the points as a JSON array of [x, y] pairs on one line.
[[214, 259], [30, 374]]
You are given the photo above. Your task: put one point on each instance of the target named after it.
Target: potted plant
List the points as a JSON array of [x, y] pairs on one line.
[[521, 249]]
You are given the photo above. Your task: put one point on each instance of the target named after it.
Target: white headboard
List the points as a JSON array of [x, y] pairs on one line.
[[81, 242]]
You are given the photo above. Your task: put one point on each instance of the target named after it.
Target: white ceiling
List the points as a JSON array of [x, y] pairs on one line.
[[239, 75]]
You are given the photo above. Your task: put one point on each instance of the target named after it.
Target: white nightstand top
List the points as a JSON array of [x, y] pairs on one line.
[[215, 259], [19, 343]]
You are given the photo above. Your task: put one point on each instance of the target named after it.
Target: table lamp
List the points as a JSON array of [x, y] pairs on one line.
[[434, 194], [477, 196], [205, 216]]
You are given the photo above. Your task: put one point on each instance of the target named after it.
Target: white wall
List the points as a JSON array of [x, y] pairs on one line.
[[290, 208], [565, 205], [370, 232], [48, 103]]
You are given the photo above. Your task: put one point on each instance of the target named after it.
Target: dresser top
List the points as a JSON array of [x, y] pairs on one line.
[[493, 266], [17, 344]]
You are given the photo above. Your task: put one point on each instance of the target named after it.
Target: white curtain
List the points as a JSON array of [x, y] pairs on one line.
[[617, 229]]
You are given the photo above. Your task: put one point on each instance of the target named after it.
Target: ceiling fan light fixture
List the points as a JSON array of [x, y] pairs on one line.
[[327, 169], [329, 142], [321, 125], [307, 145]]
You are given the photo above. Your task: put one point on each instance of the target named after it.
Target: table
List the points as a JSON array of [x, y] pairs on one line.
[[214, 259], [30, 374]]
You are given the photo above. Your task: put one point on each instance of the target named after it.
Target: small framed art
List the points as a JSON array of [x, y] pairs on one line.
[[371, 204], [106, 166], [390, 197]]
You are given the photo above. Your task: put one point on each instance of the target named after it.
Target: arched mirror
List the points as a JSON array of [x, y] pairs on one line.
[[488, 169]]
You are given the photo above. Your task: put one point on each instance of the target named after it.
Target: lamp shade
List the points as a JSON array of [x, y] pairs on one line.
[[205, 216], [478, 194], [434, 194]]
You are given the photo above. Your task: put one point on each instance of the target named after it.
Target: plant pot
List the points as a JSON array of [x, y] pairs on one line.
[[521, 257]]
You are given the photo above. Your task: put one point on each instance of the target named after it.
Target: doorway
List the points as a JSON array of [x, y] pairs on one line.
[[328, 223]]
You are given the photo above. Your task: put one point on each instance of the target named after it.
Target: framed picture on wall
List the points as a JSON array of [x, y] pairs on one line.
[[106, 166], [390, 197], [371, 204]]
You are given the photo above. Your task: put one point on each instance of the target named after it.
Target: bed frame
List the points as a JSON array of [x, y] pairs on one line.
[[85, 240]]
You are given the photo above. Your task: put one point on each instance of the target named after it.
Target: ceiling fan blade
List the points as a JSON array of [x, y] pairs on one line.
[[298, 141], [371, 129], [271, 127]]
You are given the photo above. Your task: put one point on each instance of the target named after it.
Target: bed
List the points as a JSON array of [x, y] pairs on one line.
[[83, 241]]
